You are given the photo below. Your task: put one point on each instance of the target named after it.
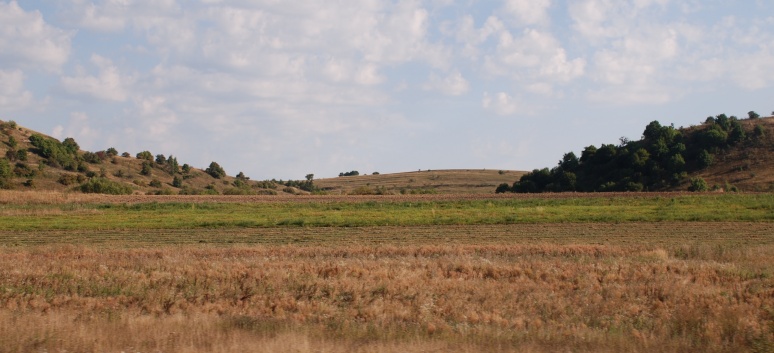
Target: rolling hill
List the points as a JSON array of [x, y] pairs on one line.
[[33, 161]]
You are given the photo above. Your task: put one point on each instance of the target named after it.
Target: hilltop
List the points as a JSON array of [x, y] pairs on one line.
[[721, 154], [30, 160]]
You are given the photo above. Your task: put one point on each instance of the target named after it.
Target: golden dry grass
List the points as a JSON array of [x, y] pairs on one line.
[[383, 298], [450, 181]]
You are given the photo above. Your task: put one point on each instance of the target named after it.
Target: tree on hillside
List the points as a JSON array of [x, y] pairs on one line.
[[753, 115], [215, 170], [146, 155]]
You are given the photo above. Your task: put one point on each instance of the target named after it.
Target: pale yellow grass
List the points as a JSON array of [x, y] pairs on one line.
[[385, 298]]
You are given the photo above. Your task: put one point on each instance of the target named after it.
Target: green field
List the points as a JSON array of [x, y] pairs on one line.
[[182, 215], [546, 273]]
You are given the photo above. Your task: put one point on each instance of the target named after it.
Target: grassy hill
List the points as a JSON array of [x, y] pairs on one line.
[[723, 153], [31, 170], [746, 165], [450, 181]]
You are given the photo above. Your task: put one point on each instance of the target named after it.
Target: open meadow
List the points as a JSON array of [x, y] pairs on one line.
[[403, 273]]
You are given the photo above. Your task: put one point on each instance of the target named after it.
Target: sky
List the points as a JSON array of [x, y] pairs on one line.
[[282, 89]]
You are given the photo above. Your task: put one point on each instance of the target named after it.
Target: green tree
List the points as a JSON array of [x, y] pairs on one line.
[[753, 115], [145, 155], [12, 142], [705, 159], [186, 168], [174, 167], [160, 159], [111, 152], [215, 170], [177, 182], [147, 168], [70, 145], [310, 177]]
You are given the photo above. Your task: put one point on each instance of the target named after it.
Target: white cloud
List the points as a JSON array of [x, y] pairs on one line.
[[500, 104], [528, 12], [110, 84], [534, 55], [13, 95], [454, 84], [26, 40]]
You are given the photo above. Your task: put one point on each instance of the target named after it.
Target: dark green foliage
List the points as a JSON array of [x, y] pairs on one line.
[[177, 182], [23, 170], [753, 115], [306, 185], [215, 170], [186, 168], [160, 159], [737, 134], [12, 142], [147, 168], [705, 159], [126, 155], [111, 152], [242, 176], [57, 154], [92, 158], [155, 183], [146, 155], [172, 165], [502, 188], [352, 173], [698, 185], [105, 186], [21, 155], [655, 162], [5, 174]]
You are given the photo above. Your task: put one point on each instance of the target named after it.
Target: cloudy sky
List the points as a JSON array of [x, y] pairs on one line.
[[280, 89]]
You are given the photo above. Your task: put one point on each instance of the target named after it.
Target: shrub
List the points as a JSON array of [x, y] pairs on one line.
[[503, 188], [705, 159], [215, 170], [177, 182], [146, 168], [698, 185], [105, 186], [186, 168], [12, 142], [5, 174], [67, 179], [145, 155], [126, 155], [160, 159], [155, 183], [92, 158], [112, 152], [30, 183], [753, 115], [21, 155], [352, 173]]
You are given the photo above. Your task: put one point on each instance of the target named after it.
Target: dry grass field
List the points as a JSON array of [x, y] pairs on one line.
[[451, 181], [699, 283]]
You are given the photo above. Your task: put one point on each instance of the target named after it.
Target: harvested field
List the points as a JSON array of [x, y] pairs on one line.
[[513, 273], [653, 234]]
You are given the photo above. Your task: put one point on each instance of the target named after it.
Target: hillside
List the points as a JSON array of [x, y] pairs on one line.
[[722, 154], [451, 181], [61, 166]]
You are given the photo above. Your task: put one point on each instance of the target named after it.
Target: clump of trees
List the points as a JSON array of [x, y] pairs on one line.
[[352, 173], [215, 170], [658, 161]]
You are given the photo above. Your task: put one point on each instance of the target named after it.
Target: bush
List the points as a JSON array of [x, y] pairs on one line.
[[698, 185], [155, 183], [753, 115], [215, 170], [126, 155], [503, 188], [21, 155], [352, 173], [5, 174], [146, 168], [705, 159], [177, 182], [105, 186], [112, 152], [145, 155], [67, 179]]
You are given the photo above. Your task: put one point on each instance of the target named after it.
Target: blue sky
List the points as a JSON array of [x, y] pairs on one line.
[[281, 89]]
